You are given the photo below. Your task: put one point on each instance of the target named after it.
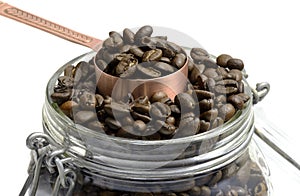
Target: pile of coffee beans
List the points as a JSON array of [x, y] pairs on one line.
[[243, 177], [214, 94], [138, 55]]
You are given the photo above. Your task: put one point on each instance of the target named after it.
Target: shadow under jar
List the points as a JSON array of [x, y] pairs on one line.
[[222, 161]]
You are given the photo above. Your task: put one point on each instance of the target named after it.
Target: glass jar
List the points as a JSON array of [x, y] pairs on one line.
[[71, 159]]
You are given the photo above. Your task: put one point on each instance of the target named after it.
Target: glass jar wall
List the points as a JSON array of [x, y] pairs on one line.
[[222, 161]]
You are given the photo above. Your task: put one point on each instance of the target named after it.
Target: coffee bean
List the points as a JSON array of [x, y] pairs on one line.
[[185, 101], [112, 123], [65, 82], [196, 72], [198, 54], [117, 109], [152, 55], [202, 94], [175, 109], [223, 59], [215, 178], [148, 72], [61, 97], [227, 86], [236, 74], [236, 101], [165, 60], [170, 120], [142, 32], [128, 36], [195, 191], [210, 73], [159, 110], [117, 39], [217, 122], [137, 51], [139, 126], [260, 189], [167, 129], [235, 64], [158, 96], [244, 96], [209, 115], [101, 64], [87, 101], [129, 73], [143, 117], [231, 192], [179, 60], [188, 127], [164, 67], [205, 191], [227, 111], [174, 47]]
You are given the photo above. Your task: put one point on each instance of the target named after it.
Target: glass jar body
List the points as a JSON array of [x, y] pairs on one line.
[[223, 161]]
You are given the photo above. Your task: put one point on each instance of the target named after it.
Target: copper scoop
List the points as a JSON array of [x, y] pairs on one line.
[[117, 87]]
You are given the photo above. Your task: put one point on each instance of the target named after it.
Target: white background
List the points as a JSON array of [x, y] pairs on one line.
[[264, 34]]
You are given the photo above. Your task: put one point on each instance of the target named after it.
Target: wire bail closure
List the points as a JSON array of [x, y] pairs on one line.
[[44, 154]]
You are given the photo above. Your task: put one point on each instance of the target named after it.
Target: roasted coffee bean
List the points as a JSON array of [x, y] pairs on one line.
[[108, 57], [215, 178], [167, 52], [170, 120], [205, 191], [84, 116], [174, 47], [235, 64], [128, 36], [158, 96], [188, 127], [117, 39], [61, 97], [167, 129], [117, 109], [198, 54], [202, 94], [244, 96], [217, 122], [210, 73], [236, 101], [137, 51], [185, 101], [209, 115], [66, 82], [196, 72], [223, 59], [139, 125], [165, 60], [191, 65], [88, 101], [236, 74], [126, 132], [129, 73], [231, 192], [160, 110], [227, 86], [148, 72], [67, 107], [152, 55], [260, 189], [227, 111], [175, 109], [101, 64], [125, 48], [69, 70], [143, 117], [142, 32], [223, 72], [179, 60], [240, 191], [109, 44], [164, 67], [195, 191], [112, 123]]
